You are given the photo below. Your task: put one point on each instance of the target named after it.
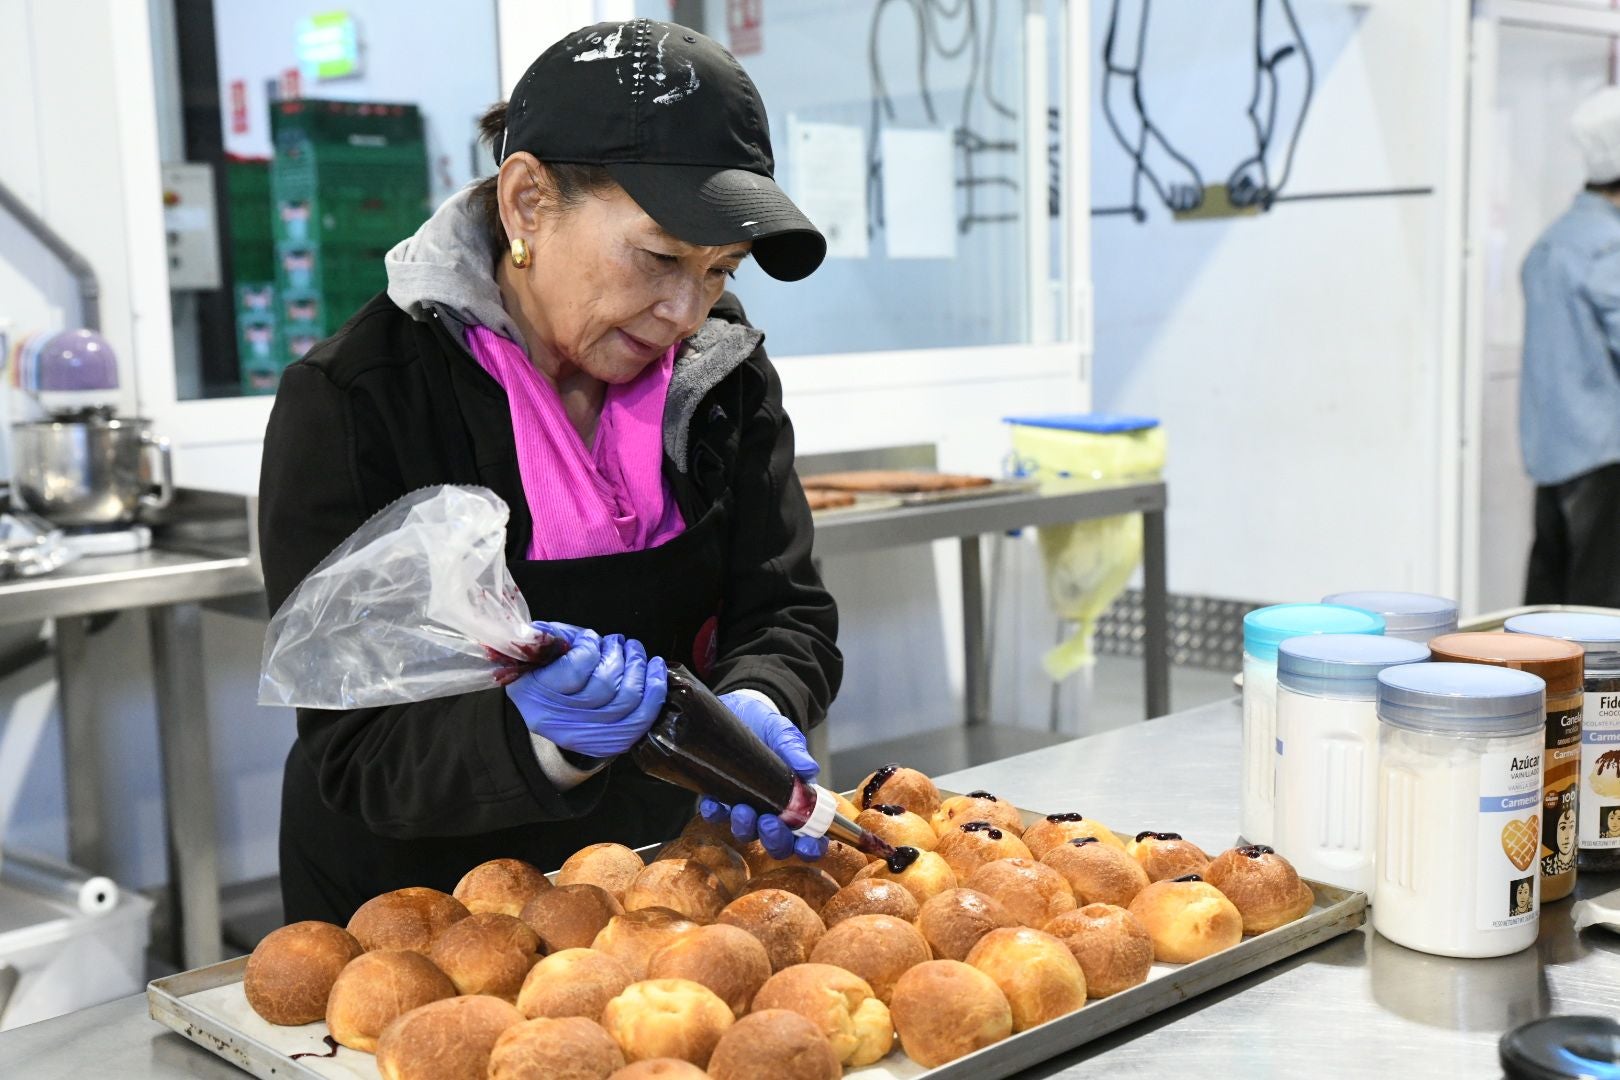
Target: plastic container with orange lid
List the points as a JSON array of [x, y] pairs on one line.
[[1562, 665]]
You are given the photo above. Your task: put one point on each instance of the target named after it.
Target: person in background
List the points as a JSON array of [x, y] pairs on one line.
[[1569, 395]]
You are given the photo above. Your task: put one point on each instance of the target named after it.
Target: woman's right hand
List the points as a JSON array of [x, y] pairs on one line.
[[599, 698]]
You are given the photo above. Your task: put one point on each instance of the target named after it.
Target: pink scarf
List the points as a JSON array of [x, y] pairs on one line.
[[605, 499]]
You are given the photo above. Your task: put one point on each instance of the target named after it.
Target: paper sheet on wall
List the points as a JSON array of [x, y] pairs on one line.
[[829, 183], [919, 193]]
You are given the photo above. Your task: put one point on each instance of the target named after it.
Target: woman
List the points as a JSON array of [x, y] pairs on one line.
[[560, 333]]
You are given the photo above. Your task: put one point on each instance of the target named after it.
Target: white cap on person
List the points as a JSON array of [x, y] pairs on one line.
[[1596, 124]]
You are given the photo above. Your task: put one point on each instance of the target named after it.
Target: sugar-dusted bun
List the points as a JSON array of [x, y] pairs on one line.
[[898, 786], [570, 916], [839, 1003], [445, 1040], [1111, 944], [1055, 829], [1032, 892], [500, 885], [870, 896], [681, 885], [610, 867], [924, 878], [489, 953], [955, 920], [574, 982], [291, 972], [945, 1009], [1262, 885], [1036, 972], [727, 959], [714, 832], [898, 826], [405, 919], [1097, 873], [633, 938], [723, 862], [775, 1043], [970, 845], [674, 1018], [781, 921], [841, 862], [1187, 920], [878, 948], [759, 860], [959, 810], [571, 1048], [375, 989], [814, 887], [1166, 855], [660, 1069]]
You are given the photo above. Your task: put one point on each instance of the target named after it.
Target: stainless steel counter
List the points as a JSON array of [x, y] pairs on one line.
[[1353, 1007]]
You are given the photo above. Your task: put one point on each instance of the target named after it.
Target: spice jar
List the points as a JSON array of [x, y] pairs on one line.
[[1598, 804], [1459, 791], [1559, 663], [1327, 752], [1413, 616], [1263, 630]]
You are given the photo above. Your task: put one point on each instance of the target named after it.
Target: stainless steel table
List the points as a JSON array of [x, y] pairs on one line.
[[1353, 1007], [204, 549], [968, 520]]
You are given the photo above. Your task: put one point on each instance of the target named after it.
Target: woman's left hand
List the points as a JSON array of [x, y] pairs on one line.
[[787, 741]]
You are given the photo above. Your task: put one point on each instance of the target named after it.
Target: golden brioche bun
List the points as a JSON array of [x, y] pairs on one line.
[[1036, 972], [1097, 873], [376, 988], [1054, 829], [570, 916], [898, 827], [291, 972], [717, 833], [781, 921], [405, 919], [959, 810], [815, 887], [774, 1043], [1167, 855], [502, 886], [955, 920], [846, 808], [727, 959], [633, 938], [674, 1018], [570, 1048], [1187, 920], [969, 846], [723, 862], [878, 948], [489, 953], [896, 785], [925, 878], [574, 982], [684, 886], [660, 1069], [1032, 892], [1111, 945], [1262, 885], [870, 896], [839, 1003], [610, 867], [450, 1039], [945, 1009]]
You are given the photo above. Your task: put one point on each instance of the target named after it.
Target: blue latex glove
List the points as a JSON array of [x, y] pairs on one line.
[[777, 732], [598, 698]]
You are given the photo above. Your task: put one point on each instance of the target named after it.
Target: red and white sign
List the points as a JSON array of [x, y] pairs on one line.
[[292, 85], [745, 26], [239, 107]]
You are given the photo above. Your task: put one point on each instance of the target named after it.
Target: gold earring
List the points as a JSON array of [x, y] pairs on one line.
[[520, 252]]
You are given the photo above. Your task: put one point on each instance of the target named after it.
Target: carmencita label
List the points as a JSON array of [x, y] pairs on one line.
[[1508, 890]]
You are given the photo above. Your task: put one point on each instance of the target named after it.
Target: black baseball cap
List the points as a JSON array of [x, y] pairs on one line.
[[677, 122]]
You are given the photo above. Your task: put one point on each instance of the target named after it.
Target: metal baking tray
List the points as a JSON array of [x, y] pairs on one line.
[[208, 1007]]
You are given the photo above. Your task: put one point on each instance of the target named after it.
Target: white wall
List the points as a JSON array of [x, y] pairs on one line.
[[1297, 358]]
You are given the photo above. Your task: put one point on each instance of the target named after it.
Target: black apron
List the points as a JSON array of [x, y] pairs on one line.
[[666, 597]]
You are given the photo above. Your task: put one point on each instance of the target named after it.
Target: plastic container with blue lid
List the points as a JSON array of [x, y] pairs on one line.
[[1327, 747], [1459, 835], [1263, 630], [1413, 616], [1597, 806]]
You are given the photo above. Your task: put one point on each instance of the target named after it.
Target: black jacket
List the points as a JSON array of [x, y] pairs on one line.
[[379, 410]]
